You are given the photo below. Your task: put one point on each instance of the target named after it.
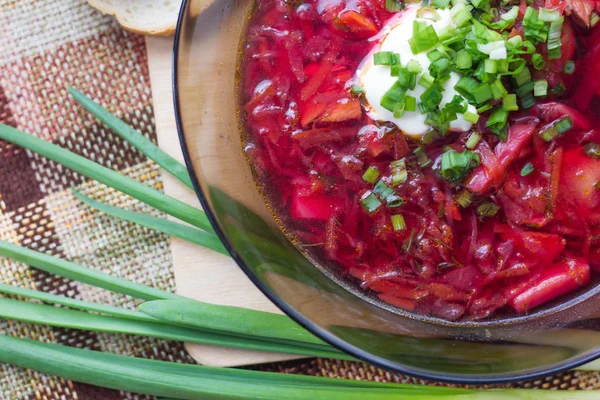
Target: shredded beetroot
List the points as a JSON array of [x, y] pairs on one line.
[[311, 142]]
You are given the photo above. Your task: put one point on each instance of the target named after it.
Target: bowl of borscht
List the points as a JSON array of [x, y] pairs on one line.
[[416, 183]]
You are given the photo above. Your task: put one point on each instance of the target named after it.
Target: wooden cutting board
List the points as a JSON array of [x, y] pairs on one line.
[[200, 274]]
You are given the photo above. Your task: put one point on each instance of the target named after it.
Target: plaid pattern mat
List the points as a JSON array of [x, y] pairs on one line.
[[46, 45]]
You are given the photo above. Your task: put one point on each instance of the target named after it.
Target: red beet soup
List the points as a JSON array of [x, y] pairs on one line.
[[444, 157]]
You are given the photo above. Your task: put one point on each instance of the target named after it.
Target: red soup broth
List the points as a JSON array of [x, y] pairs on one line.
[[524, 239]]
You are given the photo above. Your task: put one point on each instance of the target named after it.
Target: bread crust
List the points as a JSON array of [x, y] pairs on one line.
[[165, 30]]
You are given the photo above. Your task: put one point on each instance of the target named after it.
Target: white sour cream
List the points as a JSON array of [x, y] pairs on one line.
[[376, 79]]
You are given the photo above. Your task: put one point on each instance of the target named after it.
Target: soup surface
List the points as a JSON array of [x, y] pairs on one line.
[[445, 156]]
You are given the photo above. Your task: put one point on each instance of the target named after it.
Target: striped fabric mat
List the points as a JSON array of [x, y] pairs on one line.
[[45, 46]]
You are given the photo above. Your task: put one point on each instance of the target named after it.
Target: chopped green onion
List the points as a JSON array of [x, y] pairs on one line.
[[540, 88], [406, 79], [431, 98], [394, 201], [440, 68], [496, 50], [371, 174], [534, 29], [538, 61], [556, 128], [473, 140], [527, 169], [418, 26], [488, 209], [464, 60], [497, 119], [461, 14], [594, 19], [398, 222], [482, 93], [548, 15], [394, 5], [383, 58], [592, 150], [465, 87], [426, 80], [393, 96], [569, 67], [491, 67], [522, 77], [399, 172], [554, 42], [383, 190], [355, 89], [410, 103], [440, 4], [414, 67], [399, 109], [484, 108], [370, 202], [423, 40], [510, 102], [455, 166], [464, 198], [471, 117], [498, 89], [428, 13], [422, 158]]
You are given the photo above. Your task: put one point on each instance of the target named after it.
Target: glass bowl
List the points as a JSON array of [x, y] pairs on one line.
[[207, 47]]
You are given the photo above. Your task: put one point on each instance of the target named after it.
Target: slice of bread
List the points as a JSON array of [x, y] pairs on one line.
[[146, 17]]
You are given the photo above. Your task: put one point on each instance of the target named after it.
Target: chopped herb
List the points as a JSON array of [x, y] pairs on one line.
[[455, 166], [527, 169], [371, 174], [398, 222], [370, 202]]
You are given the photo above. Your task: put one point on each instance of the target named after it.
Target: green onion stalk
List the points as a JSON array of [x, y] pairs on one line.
[[170, 316]]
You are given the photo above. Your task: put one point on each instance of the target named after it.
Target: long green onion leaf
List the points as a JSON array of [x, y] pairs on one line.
[[192, 382], [71, 319], [200, 315], [153, 198], [69, 270], [77, 304], [135, 138], [171, 228]]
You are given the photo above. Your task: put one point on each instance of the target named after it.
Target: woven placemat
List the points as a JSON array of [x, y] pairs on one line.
[[45, 46]]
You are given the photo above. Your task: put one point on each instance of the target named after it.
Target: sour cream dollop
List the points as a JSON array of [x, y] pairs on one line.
[[376, 80]]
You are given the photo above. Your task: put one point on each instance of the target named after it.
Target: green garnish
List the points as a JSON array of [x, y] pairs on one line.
[[422, 158], [355, 89], [527, 169], [423, 40], [473, 140], [554, 42], [370, 202], [537, 61], [399, 172], [371, 174], [398, 222], [386, 58], [592, 150], [557, 128], [540, 88], [383, 190], [569, 67], [394, 5], [456, 166], [488, 209], [464, 198]]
